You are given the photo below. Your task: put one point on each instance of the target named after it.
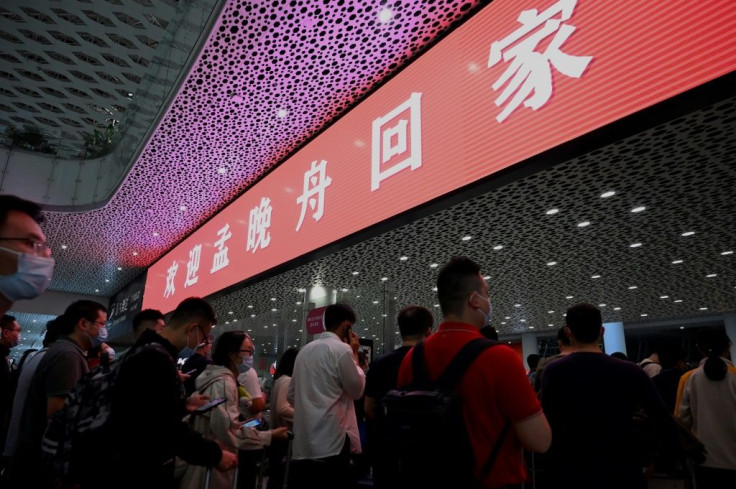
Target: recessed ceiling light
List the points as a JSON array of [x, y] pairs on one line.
[[503, 322], [550, 325], [727, 253], [682, 327], [641, 208], [356, 273], [182, 207], [498, 247], [63, 247], [486, 277], [711, 275], [298, 303], [273, 299], [155, 234], [404, 258], [385, 15], [633, 287], [434, 289], [229, 312], [584, 224], [120, 268], [252, 315], [601, 305], [274, 310], [222, 170], [507, 317], [436, 305], [595, 276], [664, 297], [634, 245], [616, 308], [688, 233], [96, 290], [282, 113], [551, 263], [678, 300], [467, 238], [644, 315], [250, 306], [610, 193], [344, 290], [375, 302], [383, 279], [522, 320], [568, 297], [517, 305], [703, 308], [433, 265], [676, 262], [531, 327], [551, 312], [552, 212]]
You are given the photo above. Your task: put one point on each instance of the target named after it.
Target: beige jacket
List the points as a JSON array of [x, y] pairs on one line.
[[221, 425], [709, 409]]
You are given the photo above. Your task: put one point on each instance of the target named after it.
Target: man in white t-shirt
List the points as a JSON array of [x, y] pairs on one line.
[[327, 380]]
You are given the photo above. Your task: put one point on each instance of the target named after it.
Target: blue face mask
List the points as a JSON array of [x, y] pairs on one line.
[[101, 337], [188, 351], [30, 279], [247, 362]]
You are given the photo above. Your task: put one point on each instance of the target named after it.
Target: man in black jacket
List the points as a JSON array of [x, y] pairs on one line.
[[146, 416]]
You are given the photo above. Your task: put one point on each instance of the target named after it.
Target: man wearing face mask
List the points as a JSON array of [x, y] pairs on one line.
[[82, 327], [494, 391], [149, 403], [9, 338], [25, 257], [327, 380]]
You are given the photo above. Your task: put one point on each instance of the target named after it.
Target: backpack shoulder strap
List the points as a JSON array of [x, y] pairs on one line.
[[420, 376], [462, 361]]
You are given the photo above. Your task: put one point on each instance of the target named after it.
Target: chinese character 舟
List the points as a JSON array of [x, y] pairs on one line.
[[397, 139], [530, 70], [258, 224], [315, 183]]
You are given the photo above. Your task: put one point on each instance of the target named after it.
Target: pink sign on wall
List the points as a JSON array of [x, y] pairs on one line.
[[517, 79], [316, 321]]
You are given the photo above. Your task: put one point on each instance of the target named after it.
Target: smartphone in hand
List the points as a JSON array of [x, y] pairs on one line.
[[210, 405]]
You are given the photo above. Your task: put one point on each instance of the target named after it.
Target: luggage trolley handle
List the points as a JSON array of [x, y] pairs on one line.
[[208, 478]]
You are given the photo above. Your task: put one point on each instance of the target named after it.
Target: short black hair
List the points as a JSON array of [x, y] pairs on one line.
[[489, 332], [459, 278], [83, 309], [712, 342], [585, 322], [12, 203], [620, 356], [286, 363], [146, 315], [193, 309], [335, 314], [532, 360], [229, 342], [52, 332], [670, 353], [414, 320], [6, 322], [562, 337]]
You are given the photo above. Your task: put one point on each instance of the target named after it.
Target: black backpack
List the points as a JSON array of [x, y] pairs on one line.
[[423, 428]]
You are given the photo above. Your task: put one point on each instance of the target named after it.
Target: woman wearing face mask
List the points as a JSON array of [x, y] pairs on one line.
[[222, 423]]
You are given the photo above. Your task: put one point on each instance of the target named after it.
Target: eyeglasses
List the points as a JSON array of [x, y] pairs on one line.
[[40, 248]]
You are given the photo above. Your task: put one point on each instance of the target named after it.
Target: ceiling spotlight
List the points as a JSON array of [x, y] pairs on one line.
[[638, 209], [703, 308], [120, 268], [601, 305], [634, 245], [434, 289], [155, 234], [63, 247], [551, 312], [384, 279], [550, 325], [436, 305], [595, 276], [356, 273], [568, 297], [498, 247], [273, 299], [552, 212], [467, 238], [96, 290], [664, 297], [531, 327], [678, 300], [676, 262], [688, 233], [633, 287], [344, 290], [551, 263], [135, 253], [282, 113], [298, 303], [385, 15], [616, 308], [250, 306], [229, 312], [610, 193], [644, 315], [727, 253], [404, 258], [682, 327], [711, 275], [486, 277], [222, 170], [182, 208], [433, 265], [517, 305], [375, 302], [107, 280], [584, 224]]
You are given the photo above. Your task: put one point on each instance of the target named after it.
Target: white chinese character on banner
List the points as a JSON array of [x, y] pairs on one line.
[[315, 183], [258, 224], [193, 266], [531, 71], [397, 141], [170, 289], [220, 260]]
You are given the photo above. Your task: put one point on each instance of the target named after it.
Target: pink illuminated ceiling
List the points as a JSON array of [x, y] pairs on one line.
[[269, 77]]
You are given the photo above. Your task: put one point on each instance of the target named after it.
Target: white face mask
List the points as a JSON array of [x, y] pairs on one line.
[[488, 315], [30, 279]]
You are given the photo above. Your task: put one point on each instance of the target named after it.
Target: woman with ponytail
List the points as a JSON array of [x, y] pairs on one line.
[[706, 402]]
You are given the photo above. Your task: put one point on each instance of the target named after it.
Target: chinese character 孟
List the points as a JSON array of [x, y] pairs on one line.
[[193, 266], [220, 260], [315, 183], [258, 224], [530, 70], [170, 290], [397, 141]]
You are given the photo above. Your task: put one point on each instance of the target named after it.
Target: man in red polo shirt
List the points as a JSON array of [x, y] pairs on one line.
[[495, 389]]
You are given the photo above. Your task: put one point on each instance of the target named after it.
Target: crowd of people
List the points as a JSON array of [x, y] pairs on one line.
[[169, 427]]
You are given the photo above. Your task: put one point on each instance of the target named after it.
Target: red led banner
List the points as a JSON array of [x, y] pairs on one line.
[[517, 79]]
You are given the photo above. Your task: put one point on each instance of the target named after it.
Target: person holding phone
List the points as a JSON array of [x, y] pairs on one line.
[[221, 423]]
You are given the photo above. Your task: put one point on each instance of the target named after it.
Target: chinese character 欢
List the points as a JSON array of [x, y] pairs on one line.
[[220, 260], [531, 71], [193, 266], [315, 183], [170, 289], [397, 139], [258, 224]]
